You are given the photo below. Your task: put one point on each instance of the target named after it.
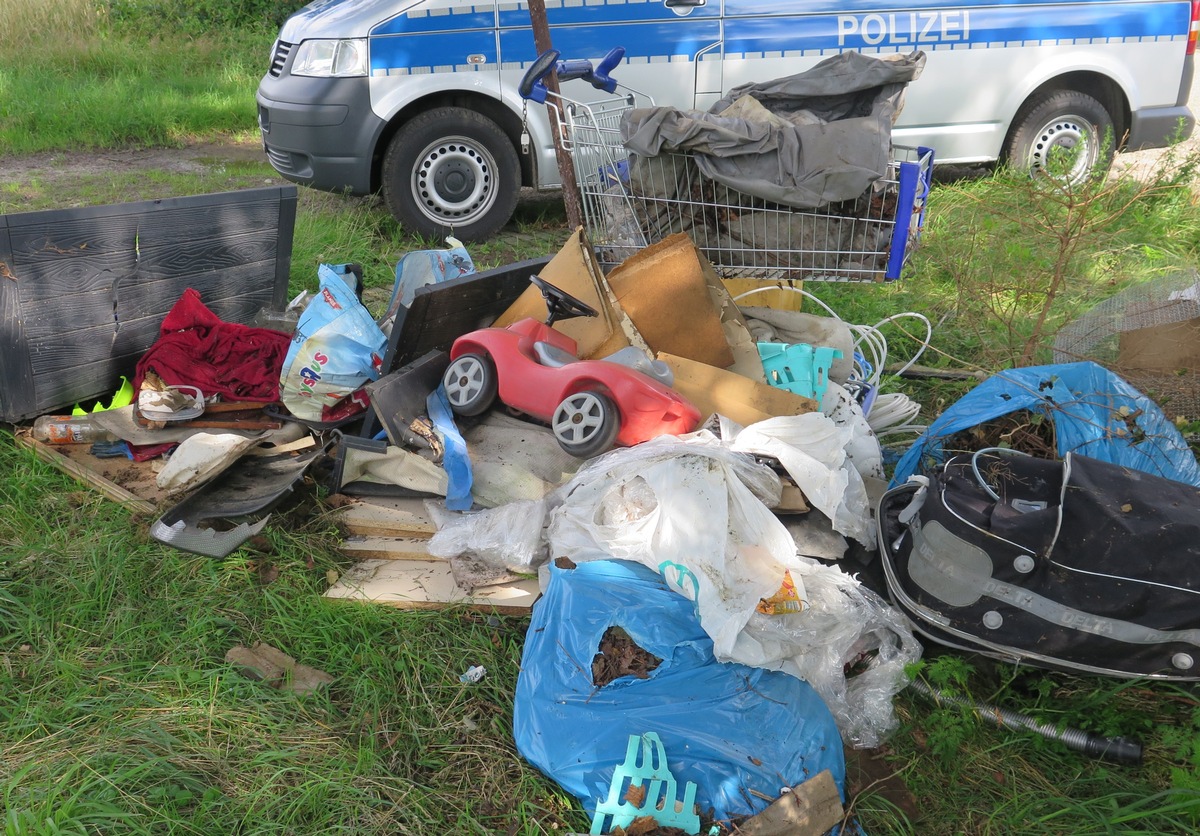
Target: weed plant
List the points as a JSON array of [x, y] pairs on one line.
[[118, 713]]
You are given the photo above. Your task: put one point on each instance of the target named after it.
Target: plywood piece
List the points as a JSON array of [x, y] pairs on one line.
[[717, 391], [810, 809], [126, 482], [385, 517], [662, 288], [411, 584], [386, 548]]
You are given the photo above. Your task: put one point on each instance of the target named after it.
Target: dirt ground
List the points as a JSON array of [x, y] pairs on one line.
[[63, 166]]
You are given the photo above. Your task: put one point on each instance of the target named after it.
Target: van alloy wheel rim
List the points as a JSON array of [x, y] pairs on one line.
[[454, 181]]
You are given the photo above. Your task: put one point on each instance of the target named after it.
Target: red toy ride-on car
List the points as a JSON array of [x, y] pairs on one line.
[[589, 404]]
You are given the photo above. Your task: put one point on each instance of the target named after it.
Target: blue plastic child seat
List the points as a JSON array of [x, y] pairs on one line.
[[801, 369]]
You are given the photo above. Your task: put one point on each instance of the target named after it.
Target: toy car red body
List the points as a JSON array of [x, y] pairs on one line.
[[589, 404]]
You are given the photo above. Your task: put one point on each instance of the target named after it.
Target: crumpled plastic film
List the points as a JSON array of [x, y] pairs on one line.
[[812, 449], [506, 537], [684, 508]]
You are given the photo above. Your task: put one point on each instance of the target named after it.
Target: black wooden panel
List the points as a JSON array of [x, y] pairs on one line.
[[16, 374], [57, 389], [89, 287], [57, 347], [442, 312]]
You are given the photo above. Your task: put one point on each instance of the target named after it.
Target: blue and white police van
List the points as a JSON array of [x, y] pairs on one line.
[[418, 98]]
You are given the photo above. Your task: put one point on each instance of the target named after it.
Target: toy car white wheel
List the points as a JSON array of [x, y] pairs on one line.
[[586, 424], [470, 383]]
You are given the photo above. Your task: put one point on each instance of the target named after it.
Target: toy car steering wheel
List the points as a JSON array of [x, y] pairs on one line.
[[559, 303]]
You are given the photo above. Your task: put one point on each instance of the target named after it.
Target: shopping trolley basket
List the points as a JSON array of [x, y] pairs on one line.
[[630, 202]]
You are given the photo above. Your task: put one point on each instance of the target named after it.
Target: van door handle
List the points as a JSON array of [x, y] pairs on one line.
[[670, 4]]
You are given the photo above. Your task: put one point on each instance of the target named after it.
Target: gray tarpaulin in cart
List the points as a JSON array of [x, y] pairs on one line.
[[806, 140]]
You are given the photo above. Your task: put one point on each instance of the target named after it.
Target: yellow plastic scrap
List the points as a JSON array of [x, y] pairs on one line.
[[122, 397]]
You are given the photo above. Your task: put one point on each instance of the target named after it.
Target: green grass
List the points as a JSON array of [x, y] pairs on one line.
[[118, 713], [68, 82]]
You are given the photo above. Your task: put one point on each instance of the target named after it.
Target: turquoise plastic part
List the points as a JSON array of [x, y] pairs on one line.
[[801, 369], [659, 801]]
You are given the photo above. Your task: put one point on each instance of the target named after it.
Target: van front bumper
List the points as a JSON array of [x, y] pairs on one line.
[[1158, 127], [319, 132]]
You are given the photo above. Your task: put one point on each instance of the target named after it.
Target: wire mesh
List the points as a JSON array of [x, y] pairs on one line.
[[1149, 335], [631, 202]]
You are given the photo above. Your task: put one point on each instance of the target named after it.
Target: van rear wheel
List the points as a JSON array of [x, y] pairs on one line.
[[1065, 134], [451, 171]]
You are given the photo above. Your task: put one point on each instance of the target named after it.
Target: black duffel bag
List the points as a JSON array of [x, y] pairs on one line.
[[1076, 564]]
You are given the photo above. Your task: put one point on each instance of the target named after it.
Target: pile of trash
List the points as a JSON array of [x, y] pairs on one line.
[[686, 477]]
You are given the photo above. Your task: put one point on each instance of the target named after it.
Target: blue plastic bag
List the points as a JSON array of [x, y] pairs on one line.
[[733, 730], [336, 349], [1095, 413], [424, 267]]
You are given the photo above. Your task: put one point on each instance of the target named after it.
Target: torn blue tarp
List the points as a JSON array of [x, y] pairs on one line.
[[739, 733], [1094, 412], [455, 459]]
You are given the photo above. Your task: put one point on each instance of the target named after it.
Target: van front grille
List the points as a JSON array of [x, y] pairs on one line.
[[279, 58]]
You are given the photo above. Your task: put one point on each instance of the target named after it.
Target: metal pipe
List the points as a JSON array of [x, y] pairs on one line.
[[1118, 749]]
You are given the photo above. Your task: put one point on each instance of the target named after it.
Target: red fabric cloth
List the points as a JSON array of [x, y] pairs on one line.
[[196, 348]]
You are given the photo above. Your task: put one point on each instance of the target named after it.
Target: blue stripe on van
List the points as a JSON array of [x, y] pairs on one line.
[[957, 26], [641, 40], [454, 18], [610, 10], [912, 30], [761, 8], [422, 53]]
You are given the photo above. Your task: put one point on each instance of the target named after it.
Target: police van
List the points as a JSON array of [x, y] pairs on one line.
[[418, 99]]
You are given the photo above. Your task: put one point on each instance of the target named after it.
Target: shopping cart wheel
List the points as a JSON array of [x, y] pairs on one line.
[[586, 424], [451, 171]]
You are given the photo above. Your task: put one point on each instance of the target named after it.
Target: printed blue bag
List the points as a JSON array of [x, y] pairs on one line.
[[336, 349]]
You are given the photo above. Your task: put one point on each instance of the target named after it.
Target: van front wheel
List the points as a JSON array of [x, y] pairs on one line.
[[1065, 134], [451, 171]]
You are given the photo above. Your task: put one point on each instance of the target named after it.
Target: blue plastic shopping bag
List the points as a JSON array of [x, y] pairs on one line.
[[336, 349]]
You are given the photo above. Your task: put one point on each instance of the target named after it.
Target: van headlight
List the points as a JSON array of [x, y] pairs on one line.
[[331, 58]]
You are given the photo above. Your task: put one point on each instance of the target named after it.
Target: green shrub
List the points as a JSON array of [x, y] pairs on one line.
[[199, 16]]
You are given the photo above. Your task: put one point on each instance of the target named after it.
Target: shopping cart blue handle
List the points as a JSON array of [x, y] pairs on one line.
[[532, 86], [575, 68], [601, 79]]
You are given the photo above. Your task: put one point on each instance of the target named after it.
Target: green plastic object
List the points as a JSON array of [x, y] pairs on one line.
[[122, 397], [659, 801], [801, 369]]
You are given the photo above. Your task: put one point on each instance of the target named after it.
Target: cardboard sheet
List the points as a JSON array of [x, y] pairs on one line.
[[574, 270], [664, 290], [718, 391], [1168, 348]]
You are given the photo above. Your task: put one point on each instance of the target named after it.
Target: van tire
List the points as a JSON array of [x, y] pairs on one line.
[[451, 171], [1061, 121]]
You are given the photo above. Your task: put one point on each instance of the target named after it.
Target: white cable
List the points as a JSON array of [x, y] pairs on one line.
[[891, 412]]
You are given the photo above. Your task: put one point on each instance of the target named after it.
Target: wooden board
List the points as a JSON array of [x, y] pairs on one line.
[[126, 482], [428, 584], [387, 548], [384, 517], [85, 290]]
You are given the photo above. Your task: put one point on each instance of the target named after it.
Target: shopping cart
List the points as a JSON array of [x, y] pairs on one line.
[[630, 202]]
